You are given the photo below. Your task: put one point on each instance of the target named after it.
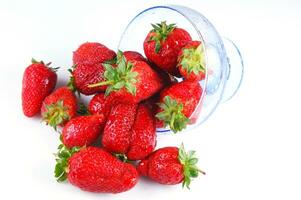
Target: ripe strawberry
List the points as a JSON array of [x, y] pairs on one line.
[[117, 132], [39, 80], [95, 170], [191, 61], [82, 130], [143, 134], [177, 103], [101, 105], [163, 44], [133, 56], [130, 82], [170, 165], [82, 75], [59, 107], [92, 53]]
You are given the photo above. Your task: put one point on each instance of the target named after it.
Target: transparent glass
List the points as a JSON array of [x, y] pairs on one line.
[[224, 65]]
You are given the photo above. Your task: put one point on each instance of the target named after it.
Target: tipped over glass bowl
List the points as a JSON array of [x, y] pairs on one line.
[[223, 61]]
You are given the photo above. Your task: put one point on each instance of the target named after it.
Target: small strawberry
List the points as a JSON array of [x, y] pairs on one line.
[[133, 56], [59, 107], [130, 82], [163, 44], [191, 61], [82, 131], [177, 103], [92, 53], [101, 105], [117, 132], [39, 80], [170, 165], [95, 170], [143, 134]]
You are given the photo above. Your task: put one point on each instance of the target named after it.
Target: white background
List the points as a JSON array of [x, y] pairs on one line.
[[251, 146]]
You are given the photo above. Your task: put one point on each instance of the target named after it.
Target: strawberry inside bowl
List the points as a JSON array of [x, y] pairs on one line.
[[214, 62]]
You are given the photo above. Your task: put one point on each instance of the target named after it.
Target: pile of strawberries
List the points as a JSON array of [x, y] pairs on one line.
[[134, 95]]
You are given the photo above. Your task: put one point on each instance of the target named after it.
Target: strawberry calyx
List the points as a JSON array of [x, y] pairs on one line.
[[56, 114], [190, 169], [61, 158], [34, 61], [71, 83], [172, 115], [121, 76], [192, 60], [161, 30]]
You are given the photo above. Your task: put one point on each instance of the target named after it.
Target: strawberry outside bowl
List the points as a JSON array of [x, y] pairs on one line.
[[223, 61]]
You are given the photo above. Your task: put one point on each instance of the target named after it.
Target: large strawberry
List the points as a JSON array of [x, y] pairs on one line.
[[170, 165], [59, 107], [82, 130], [39, 80], [177, 103], [191, 61], [95, 170], [117, 132], [143, 134], [163, 44], [130, 82], [130, 134], [92, 53]]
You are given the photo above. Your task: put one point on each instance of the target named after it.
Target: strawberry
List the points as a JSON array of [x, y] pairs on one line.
[[82, 75], [39, 81], [170, 165], [130, 82], [117, 132], [143, 134], [95, 170], [191, 61], [92, 53], [82, 130], [59, 107], [133, 56], [101, 105], [177, 103], [163, 44]]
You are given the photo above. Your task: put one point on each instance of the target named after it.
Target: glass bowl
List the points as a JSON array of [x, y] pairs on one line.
[[223, 61]]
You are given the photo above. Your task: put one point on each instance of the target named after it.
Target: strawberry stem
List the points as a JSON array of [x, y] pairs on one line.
[[101, 84]]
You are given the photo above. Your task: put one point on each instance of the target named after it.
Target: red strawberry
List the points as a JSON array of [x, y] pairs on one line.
[[101, 105], [93, 169], [39, 80], [163, 44], [92, 53], [117, 132], [170, 165], [82, 130], [130, 82], [82, 75], [59, 107], [191, 61], [133, 56], [177, 103], [143, 134]]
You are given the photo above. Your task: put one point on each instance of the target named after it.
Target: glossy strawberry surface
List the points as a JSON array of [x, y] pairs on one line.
[[38, 82]]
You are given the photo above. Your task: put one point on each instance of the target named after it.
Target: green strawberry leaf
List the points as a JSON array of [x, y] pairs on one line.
[[121, 76], [172, 115], [189, 161], [161, 30]]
